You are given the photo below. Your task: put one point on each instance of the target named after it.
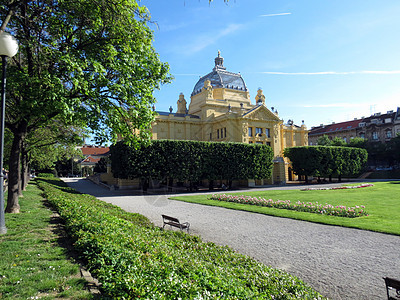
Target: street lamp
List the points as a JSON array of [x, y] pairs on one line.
[[8, 48]]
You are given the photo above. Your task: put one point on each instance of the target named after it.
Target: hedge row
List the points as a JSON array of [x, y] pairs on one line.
[[191, 160], [133, 259], [327, 161]]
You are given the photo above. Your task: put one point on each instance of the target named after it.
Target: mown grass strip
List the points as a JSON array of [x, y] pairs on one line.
[[34, 264], [381, 201], [133, 259]]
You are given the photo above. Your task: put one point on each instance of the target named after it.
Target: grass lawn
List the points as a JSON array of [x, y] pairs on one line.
[[382, 203], [33, 263]]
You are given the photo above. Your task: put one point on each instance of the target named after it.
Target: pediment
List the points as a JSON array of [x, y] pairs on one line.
[[262, 113]]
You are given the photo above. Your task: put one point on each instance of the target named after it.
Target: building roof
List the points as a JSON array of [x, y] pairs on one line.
[[220, 78], [327, 129], [164, 113], [381, 117], [94, 150], [90, 160]]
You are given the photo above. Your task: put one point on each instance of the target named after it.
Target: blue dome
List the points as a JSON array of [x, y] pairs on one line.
[[220, 78]]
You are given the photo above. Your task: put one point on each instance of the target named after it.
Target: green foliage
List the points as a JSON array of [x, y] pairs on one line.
[[337, 141], [133, 260], [90, 63], [101, 165], [47, 145], [46, 175], [358, 142], [326, 160], [67, 166], [191, 160], [324, 141]]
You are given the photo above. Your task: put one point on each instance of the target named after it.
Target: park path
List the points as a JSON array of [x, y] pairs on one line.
[[340, 263]]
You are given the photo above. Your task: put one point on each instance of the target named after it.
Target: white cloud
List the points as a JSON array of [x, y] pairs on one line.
[[188, 74], [211, 38], [273, 15], [394, 72], [338, 104]]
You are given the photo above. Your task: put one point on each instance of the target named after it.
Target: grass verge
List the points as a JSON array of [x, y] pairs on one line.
[[133, 259], [34, 263], [382, 203]]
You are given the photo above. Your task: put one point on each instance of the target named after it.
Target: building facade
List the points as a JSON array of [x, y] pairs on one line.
[[221, 110], [375, 128]]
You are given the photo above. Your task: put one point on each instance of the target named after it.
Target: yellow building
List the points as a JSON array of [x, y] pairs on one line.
[[220, 110]]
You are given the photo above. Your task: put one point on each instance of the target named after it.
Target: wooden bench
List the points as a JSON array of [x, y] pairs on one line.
[[392, 284], [171, 221]]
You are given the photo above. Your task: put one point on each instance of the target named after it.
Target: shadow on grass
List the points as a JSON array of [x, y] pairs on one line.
[[64, 240]]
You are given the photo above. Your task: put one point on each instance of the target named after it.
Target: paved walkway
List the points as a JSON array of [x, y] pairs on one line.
[[341, 263]]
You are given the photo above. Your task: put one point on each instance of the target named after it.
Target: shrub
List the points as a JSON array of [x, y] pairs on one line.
[[46, 175]]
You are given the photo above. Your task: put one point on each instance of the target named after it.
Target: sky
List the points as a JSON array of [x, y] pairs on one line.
[[317, 61]]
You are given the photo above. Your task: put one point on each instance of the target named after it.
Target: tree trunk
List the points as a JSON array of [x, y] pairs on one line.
[[14, 174], [25, 171], [211, 185]]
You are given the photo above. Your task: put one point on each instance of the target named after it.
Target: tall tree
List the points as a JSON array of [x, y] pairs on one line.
[[85, 62]]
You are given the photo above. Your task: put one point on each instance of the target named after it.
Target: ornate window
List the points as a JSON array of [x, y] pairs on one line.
[[375, 135], [258, 131], [389, 134], [267, 132], [250, 131]]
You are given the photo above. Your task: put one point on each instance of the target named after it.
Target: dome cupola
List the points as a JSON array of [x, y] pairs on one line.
[[221, 78]]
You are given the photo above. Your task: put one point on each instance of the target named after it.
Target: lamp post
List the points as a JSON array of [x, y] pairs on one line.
[[8, 48]]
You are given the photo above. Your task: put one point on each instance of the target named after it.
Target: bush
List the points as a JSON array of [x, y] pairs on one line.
[[326, 160], [191, 160], [132, 258], [46, 175]]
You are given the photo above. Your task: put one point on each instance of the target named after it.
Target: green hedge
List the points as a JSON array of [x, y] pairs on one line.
[[133, 259], [326, 161], [191, 160]]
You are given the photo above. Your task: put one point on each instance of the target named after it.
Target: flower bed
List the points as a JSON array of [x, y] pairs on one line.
[[325, 209], [339, 187]]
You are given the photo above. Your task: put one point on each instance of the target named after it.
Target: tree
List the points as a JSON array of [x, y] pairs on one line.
[[324, 141], [337, 141], [358, 142], [101, 165], [85, 63]]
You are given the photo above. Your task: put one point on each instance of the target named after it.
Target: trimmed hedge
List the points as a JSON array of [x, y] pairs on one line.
[[326, 161], [191, 160], [132, 258]]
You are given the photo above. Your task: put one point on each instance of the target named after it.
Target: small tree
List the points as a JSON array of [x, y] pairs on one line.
[[101, 165], [324, 141]]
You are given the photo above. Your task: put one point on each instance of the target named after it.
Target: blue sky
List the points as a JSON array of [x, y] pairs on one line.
[[317, 61]]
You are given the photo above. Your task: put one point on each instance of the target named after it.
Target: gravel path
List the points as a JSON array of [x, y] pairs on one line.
[[340, 263]]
